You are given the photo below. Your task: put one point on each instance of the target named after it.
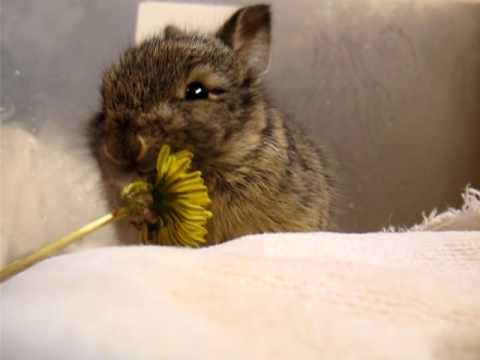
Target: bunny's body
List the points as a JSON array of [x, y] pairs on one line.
[[204, 94]]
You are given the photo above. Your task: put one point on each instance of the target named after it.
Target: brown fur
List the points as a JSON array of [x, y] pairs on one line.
[[263, 175]]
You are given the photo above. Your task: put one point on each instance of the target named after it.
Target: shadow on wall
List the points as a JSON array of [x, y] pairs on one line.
[[393, 89]]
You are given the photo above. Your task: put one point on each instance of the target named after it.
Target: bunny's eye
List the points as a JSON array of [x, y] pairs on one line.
[[196, 91]]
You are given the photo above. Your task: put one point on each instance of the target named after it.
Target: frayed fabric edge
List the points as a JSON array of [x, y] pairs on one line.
[[471, 205]]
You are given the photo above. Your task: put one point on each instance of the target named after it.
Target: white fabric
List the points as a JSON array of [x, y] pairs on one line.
[[285, 296]]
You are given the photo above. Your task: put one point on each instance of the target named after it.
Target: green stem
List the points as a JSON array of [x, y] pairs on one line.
[[56, 246]]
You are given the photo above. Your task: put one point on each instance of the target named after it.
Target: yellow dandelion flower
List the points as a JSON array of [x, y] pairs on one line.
[[176, 204]]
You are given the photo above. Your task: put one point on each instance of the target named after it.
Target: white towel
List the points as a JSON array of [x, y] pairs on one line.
[[411, 295]]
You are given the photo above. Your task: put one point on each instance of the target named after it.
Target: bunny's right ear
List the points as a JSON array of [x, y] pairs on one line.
[[248, 33], [171, 32]]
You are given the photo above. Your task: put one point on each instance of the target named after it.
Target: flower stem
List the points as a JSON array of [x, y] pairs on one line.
[[54, 247]]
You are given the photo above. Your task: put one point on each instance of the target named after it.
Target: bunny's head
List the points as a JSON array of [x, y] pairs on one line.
[[196, 92]]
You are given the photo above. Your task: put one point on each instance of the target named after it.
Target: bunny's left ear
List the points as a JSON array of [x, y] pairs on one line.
[[248, 33]]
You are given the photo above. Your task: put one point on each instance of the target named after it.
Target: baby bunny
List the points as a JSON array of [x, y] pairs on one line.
[[204, 93]]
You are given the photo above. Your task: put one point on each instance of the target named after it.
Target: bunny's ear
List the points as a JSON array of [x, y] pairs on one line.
[[248, 33], [171, 32]]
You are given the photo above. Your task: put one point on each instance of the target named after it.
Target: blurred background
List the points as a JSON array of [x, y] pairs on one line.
[[391, 88]]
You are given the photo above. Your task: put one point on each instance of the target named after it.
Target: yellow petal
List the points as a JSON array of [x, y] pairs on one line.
[[165, 168], [135, 187], [161, 160], [172, 239], [188, 238], [182, 177], [199, 198], [177, 168], [184, 154], [192, 216], [191, 186], [187, 205], [188, 235]]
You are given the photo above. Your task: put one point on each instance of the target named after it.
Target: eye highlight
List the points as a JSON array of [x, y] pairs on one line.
[[196, 91]]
